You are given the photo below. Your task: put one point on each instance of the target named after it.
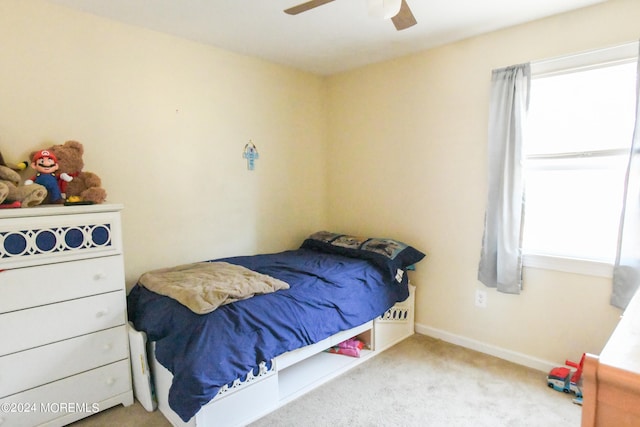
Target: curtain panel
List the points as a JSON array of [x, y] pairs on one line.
[[501, 256], [626, 270]]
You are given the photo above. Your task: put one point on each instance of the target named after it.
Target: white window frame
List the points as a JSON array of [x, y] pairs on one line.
[[570, 64]]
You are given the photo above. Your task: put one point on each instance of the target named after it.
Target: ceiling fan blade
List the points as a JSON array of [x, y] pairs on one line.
[[306, 6], [404, 19]]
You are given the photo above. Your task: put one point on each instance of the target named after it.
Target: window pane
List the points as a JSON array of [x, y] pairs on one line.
[[582, 111], [574, 212], [573, 204]]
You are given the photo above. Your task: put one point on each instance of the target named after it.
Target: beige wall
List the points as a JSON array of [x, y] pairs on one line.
[[164, 122], [402, 144], [409, 136]]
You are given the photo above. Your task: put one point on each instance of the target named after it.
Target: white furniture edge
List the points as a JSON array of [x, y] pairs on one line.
[[60, 210]]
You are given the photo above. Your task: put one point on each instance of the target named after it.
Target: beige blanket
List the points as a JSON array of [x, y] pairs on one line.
[[205, 286]]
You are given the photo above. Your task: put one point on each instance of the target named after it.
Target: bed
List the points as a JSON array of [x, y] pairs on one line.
[[336, 287]]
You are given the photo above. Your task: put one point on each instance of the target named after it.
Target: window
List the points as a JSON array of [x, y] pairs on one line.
[[576, 147]]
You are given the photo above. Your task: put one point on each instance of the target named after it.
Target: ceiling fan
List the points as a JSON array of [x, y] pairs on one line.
[[402, 19]]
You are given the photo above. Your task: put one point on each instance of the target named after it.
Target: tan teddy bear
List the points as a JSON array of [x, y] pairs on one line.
[[84, 186], [14, 195]]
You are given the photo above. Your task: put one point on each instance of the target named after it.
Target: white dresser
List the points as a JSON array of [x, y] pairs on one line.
[[64, 351]]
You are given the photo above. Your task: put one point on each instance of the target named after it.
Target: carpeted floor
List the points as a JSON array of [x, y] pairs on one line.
[[419, 382]]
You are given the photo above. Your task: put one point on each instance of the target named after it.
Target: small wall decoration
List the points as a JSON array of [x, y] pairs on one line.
[[251, 154]]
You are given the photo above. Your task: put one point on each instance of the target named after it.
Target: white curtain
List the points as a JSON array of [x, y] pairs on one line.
[[501, 257], [626, 271]]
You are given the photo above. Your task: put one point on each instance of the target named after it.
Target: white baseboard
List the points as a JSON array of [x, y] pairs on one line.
[[499, 352]]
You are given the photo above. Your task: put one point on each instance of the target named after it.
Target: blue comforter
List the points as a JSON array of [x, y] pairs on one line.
[[328, 293]]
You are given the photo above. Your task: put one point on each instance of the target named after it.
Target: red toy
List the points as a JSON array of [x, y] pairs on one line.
[[16, 204], [565, 380]]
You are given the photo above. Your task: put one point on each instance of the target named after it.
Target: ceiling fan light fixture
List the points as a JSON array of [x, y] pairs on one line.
[[384, 9]]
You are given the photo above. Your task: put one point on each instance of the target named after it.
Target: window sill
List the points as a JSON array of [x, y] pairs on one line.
[[569, 265]]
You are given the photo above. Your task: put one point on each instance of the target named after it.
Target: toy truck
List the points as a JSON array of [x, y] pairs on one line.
[[566, 380]]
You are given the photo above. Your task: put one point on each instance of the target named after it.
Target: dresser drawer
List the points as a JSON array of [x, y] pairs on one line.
[[45, 235], [79, 395], [30, 368], [28, 287], [25, 329]]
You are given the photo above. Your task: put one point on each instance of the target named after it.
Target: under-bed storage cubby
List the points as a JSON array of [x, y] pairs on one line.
[[302, 370]]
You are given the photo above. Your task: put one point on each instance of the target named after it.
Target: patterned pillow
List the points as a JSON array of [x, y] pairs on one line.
[[390, 255]]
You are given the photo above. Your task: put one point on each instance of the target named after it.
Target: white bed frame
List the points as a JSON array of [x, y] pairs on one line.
[[291, 375]]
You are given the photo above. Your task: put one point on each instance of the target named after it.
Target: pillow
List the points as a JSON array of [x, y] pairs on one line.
[[390, 255]]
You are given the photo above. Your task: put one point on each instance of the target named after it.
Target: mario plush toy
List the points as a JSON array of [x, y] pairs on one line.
[[46, 164]]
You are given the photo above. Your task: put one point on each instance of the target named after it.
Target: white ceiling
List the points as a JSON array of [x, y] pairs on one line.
[[335, 37]]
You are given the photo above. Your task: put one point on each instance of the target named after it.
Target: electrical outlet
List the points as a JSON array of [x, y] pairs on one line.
[[481, 298]]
